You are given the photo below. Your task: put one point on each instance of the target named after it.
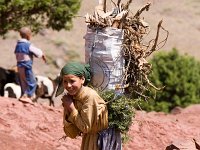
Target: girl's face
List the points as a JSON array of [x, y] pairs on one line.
[[72, 83]]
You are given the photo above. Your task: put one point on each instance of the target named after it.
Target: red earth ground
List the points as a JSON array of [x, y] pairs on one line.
[[25, 126]]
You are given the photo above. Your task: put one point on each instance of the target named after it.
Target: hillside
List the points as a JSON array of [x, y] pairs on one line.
[[180, 18], [34, 126]]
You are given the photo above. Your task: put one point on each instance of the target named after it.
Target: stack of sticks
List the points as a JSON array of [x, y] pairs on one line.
[[134, 50]]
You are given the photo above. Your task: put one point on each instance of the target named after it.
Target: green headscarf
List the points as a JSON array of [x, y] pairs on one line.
[[74, 68]]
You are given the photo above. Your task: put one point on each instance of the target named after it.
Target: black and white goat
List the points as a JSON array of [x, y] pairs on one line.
[[12, 90], [7, 76], [46, 88]]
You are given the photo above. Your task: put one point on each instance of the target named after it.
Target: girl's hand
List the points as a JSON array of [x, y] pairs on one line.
[[68, 103]]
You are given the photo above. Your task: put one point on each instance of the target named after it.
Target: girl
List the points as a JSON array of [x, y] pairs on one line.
[[85, 112]]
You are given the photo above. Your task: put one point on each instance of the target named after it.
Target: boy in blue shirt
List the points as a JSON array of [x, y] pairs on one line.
[[25, 51]]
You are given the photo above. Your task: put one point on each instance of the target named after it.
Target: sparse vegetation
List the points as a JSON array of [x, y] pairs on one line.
[[72, 55], [58, 43]]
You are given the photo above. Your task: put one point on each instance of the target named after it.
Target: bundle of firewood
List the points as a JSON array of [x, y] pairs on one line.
[[134, 49]]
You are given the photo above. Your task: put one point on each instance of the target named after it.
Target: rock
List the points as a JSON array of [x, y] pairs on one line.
[[197, 143], [176, 110], [172, 147], [182, 145]]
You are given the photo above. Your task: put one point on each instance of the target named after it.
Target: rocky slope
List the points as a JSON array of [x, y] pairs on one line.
[[36, 126]]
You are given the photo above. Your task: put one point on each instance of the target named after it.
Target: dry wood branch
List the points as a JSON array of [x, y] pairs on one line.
[[118, 2], [149, 83], [165, 40], [156, 40], [126, 6], [113, 3], [142, 95], [146, 7]]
